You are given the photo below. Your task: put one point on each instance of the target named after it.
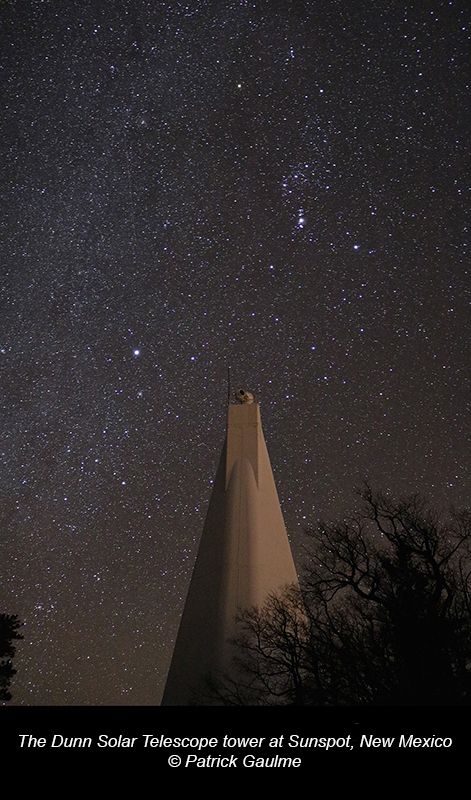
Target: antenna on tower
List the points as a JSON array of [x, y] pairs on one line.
[[228, 385]]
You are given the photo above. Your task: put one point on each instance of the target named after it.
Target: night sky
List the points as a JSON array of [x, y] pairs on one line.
[[282, 187]]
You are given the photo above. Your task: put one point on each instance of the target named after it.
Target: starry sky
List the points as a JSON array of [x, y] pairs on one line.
[[279, 187]]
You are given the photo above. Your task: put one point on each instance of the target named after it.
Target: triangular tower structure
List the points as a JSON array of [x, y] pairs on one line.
[[244, 555]]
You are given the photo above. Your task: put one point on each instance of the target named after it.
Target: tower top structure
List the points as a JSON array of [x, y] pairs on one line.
[[244, 556]]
